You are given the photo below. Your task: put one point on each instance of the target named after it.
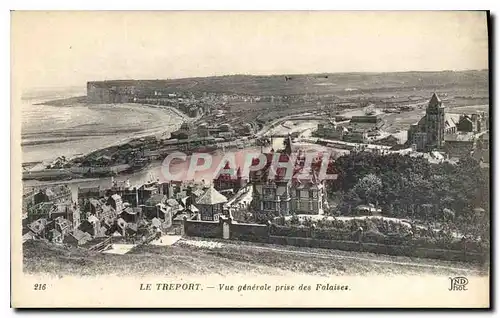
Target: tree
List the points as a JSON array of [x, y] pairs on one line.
[[448, 215], [368, 189], [427, 209], [350, 200], [412, 185]]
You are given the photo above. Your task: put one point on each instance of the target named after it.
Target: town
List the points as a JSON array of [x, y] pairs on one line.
[[363, 209], [240, 119]]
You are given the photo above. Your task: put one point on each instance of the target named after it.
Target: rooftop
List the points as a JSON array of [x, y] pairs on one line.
[[469, 136], [451, 120], [81, 236], [211, 197]]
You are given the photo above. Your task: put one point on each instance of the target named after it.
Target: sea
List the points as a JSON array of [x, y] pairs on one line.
[[49, 131]]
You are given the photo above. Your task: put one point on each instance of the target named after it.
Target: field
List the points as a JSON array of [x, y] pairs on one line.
[[265, 98], [191, 256], [342, 92], [383, 85]]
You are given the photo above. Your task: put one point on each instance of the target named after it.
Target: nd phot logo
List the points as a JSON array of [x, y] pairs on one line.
[[458, 283]]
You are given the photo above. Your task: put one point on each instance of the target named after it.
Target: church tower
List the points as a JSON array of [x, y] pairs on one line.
[[434, 122]]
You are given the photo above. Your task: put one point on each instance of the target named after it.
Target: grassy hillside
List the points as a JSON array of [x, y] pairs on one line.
[[196, 256], [309, 92], [334, 83]]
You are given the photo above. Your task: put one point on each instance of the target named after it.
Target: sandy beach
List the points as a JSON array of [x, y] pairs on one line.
[[52, 131]]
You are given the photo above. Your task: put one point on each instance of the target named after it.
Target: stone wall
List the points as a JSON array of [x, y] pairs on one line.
[[249, 232], [207, 229], [311, 238]]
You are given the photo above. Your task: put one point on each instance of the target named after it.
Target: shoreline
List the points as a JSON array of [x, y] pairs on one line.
[[138, 135], [184, 118], [159, 131]]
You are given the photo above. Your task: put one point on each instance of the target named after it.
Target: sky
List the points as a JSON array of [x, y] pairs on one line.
[[57, 49]]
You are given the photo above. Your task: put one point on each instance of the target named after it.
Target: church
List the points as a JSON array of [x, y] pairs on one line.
[[437, 126]]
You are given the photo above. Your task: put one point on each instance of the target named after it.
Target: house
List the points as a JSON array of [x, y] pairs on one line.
[[101, 210], [171, 208], [150, 207], [184, 132], [116, 202], [155, 199], [131, 229], [94, 227], [108, 212], [95, 206], [181, 189], [130, 195], [40, 210], [90, 192], [156, 223], [361, 128], [476, 123], [174, 205], [108, 224], [186, 209], [229, 179], [147, 190], [62, 225], [211, 204], [460, 145], [301, 193], [77, 238], [61, 193], [390, 140], [40, 197], [131, 215], [55, 236], [39, 227], [187, 205], [87, 227], [68, 211], [357, 134], [307, 195], [162, 212], [331, 130], [195, 194], [102, 161]]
